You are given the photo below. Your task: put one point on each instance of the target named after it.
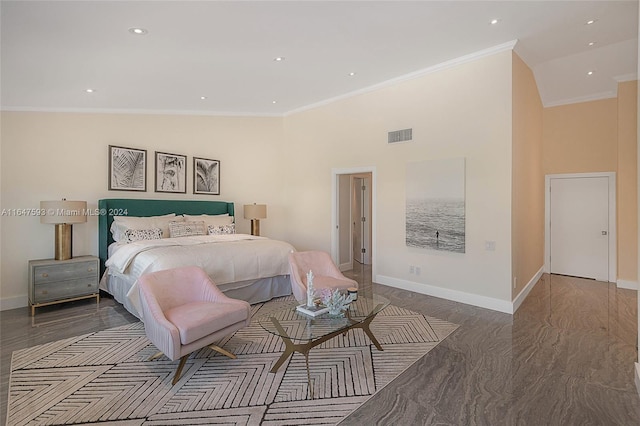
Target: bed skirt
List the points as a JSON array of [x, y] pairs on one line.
[[252, 291]]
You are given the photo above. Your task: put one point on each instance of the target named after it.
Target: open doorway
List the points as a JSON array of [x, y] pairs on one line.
[[353, 242], [361, 218]]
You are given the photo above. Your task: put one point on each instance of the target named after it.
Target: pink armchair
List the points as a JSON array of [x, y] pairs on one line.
[[326, 273], [184, 311]]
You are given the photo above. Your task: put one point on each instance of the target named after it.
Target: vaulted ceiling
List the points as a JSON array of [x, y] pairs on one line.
[[217, 57]]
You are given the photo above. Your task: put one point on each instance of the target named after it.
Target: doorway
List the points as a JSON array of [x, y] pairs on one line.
[[580, 236], [361, 218], [353, 239]]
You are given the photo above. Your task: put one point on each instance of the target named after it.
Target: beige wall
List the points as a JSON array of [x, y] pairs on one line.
[[464, 111], [599, 136], [580, 138], [48, 156], [627, 177], [528, 180]]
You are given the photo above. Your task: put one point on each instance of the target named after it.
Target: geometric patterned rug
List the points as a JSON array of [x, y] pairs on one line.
[[104, 377]]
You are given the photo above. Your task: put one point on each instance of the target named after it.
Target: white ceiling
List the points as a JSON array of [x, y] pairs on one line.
[[52, 51]]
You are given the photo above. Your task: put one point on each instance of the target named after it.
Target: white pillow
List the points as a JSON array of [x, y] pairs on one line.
[[133, 235], [122, 223], [186, 229], [215, 220], [221, 229]]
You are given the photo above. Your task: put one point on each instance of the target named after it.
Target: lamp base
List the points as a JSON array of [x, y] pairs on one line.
[[63, 241], [255, 227]]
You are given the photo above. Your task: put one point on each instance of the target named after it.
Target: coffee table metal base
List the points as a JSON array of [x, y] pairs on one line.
[[304, 348]]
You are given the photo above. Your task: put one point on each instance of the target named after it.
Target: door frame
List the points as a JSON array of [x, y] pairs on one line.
[[613, 262], [335, 204]]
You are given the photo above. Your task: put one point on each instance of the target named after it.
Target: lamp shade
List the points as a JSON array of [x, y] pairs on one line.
[[63, 211], [255, 211]]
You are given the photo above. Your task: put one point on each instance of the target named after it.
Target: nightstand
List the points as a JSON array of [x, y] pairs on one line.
[[56, 281]]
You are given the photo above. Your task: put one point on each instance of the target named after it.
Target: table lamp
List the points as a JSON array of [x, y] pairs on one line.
[[255, 212], [63, 214]]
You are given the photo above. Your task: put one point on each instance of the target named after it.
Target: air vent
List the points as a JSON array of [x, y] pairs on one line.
[[400, 135]]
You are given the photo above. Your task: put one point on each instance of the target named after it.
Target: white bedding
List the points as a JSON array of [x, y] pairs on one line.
[[225, 258]]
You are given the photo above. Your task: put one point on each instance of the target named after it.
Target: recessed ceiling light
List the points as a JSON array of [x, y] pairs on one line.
[[494, 21], [590, 73], [203, 97], [279, 59], [90, 90], [591, 21], [352, 74], [138, 31], [591, 43], [274, 102]]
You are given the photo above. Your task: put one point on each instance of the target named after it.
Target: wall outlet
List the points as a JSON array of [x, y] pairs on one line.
[[411, 269], [417, 270], [515, 282]]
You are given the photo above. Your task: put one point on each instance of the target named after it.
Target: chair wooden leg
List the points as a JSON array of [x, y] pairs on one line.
[[179, 370], [183, 360], [155, 356], [222, 351]]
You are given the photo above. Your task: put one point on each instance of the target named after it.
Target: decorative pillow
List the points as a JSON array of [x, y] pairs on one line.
[[122, 223], [133, 235], [215, 220], [221, 229], [186, 229]]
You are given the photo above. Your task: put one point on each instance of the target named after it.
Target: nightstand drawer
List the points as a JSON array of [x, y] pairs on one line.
[[64, 271], [64, 289], [56, 281]]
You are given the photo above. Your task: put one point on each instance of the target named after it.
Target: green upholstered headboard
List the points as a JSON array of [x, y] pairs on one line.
[[136, 207]]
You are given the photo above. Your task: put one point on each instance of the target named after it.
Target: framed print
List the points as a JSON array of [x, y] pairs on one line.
[[435, 205], [206, 176], [171, 172], [127, 169]]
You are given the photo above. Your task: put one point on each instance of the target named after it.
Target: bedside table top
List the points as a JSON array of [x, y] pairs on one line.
[[72, 260]]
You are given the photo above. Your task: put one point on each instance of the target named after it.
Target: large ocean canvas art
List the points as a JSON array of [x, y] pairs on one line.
[[436, 205]]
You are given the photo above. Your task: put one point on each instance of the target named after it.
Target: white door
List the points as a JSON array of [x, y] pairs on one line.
[[579, 227], [361, 221]]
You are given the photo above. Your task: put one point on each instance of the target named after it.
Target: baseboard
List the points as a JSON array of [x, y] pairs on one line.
[[445, 293], [637, 370], [346, 266], [7, 303], [630, 285], [527, 289]]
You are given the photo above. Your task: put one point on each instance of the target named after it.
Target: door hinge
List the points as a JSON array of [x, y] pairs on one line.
[[364, 219], [364, 250]]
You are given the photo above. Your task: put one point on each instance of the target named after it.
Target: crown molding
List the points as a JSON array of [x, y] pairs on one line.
[[626, 77], [138, 111], [595, 97]]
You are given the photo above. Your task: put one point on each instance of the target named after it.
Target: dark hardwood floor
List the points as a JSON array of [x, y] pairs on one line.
[[18, 330], [565, 358]]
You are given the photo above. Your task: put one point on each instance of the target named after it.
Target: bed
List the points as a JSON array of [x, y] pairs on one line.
[[244, 267]]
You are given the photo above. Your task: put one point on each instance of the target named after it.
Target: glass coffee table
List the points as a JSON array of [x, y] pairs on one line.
[[301, 332]]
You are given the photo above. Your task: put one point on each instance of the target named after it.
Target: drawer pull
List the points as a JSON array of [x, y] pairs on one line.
[[90, 270], [45, 292], [45, 275]]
